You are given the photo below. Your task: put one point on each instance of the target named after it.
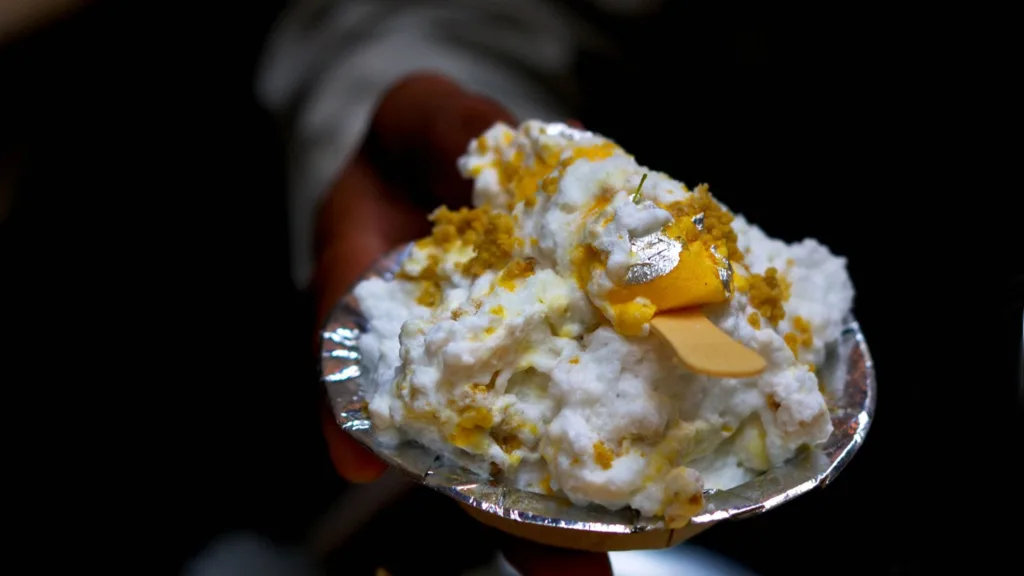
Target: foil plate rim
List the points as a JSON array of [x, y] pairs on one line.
[[853, 413]]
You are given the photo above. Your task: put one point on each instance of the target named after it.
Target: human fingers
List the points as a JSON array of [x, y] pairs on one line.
[[532, 559], [421, 128]]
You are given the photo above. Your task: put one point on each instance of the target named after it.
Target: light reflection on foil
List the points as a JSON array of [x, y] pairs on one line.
[[657, 254], [848, 359], [724, 271], [698, 221]]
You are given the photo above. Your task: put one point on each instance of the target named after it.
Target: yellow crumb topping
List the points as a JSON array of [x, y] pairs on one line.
[[792, 341], [517, 269], [545, 484], [717, 226], [430, 294], [574, 360], [489, 233], [508, 442], [768, 292], [741, 283], [803, 327], [498, 311], [525, 177], [584, 260], [629, 318], [754, 319], [603, 456], [469, 433]]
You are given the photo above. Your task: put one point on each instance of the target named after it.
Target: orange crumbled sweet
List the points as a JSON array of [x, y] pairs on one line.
[[584, 259], [430, 271], [793, 341], [430, 294], [508, 442], [803, 327], [629, 318], [603, 456], [767, 294], [469, 430], [525, 177], [717, 231], [754, 319], [574, 360], [516, 269], [491, 234], [545, 484]]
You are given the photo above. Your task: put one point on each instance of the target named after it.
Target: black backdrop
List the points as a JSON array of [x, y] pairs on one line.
[[159, 351]]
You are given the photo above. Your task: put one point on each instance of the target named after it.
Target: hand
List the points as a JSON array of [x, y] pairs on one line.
[[406, 168]]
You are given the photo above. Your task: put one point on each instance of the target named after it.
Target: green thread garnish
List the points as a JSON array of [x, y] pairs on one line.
[[637, 198]]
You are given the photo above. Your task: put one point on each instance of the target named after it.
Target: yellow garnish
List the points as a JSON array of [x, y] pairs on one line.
[[469, 430], [741, 283], [574, 360], [717, 225], [518, 268], [603, 456], [804, 328], [544, 171], [793, 341], [508, 442], [545, 484], [430, 294], [491, 234], [584, 259], [755, 320], [629, 318], [767, 294]]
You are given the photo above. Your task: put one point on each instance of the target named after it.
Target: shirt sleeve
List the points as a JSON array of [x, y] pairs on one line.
[[328, 63]]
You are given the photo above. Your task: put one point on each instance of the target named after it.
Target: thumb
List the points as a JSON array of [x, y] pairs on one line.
[[421, 127]]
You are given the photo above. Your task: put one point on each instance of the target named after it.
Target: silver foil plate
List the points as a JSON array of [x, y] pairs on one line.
[[539, 516]]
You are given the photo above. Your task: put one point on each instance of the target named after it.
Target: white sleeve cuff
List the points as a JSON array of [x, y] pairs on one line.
[[326, 80]]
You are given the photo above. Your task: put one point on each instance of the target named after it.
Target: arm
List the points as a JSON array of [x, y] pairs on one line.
[[328, 64]]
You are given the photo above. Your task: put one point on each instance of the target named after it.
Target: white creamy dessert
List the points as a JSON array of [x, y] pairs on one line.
[[511, 339]]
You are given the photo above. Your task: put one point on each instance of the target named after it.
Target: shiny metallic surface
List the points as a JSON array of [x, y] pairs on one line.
[[657, 254], [698, 221], [724, 271], [852, 413]]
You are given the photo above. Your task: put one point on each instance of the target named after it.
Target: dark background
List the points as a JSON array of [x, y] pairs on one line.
[[163, 389]]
